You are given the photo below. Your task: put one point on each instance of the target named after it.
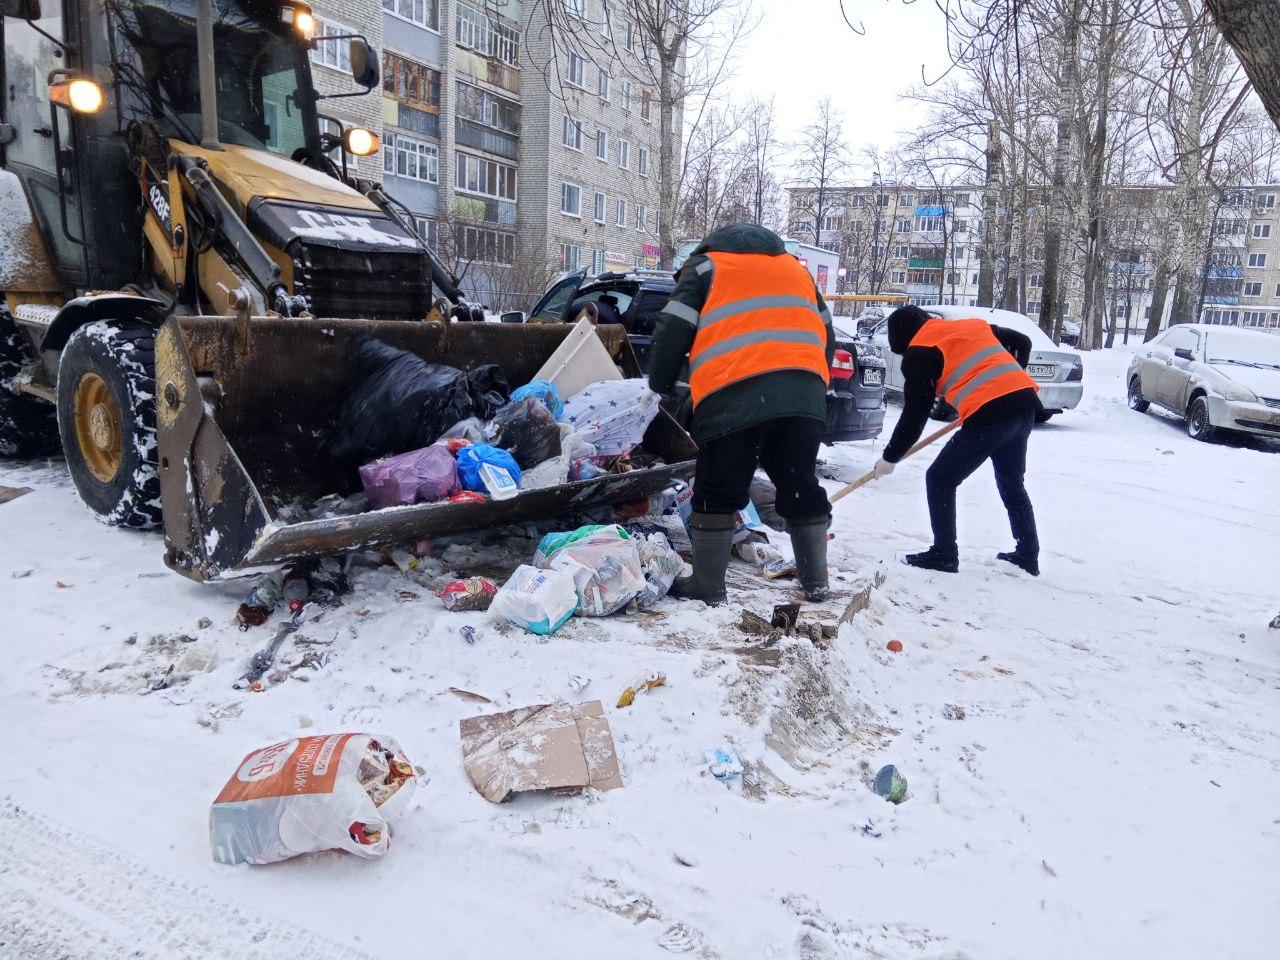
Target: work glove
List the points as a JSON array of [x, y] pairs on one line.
[[882, 468]]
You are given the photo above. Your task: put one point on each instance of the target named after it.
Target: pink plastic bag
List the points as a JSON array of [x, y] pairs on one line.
[[419, 476]]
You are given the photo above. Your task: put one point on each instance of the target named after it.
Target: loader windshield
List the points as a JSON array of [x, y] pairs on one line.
[[262, 76]]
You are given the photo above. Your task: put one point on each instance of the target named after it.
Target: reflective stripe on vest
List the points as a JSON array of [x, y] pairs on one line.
[[760, 316], [976, 368]]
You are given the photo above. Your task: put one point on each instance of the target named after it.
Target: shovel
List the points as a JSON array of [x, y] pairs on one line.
[[870, 474]]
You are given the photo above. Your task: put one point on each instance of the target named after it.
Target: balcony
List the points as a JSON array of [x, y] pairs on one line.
[[472, 134], [1226, 273], [417, 121], [925, 263], [488, 70]]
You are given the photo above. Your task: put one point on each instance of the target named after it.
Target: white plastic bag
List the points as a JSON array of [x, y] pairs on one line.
[[612, 415], [538, 600], [603, 562], [337, 792], [661, 565]]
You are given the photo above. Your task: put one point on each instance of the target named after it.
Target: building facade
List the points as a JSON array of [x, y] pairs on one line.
[[925, 244], [517, 156]]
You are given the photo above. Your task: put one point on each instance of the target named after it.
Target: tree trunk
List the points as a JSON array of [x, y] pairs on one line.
[[1159, 289], [1057, 211], [1191, 208], [1253, 30], [986, 252], [669, 134]]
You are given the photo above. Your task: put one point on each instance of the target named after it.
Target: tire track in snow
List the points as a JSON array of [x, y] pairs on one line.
[[64, 894]]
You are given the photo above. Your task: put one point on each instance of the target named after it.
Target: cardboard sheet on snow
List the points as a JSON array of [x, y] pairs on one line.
[[555, 746], [12, 493]]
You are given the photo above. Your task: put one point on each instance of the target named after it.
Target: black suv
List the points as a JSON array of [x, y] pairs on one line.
[[855, 398]]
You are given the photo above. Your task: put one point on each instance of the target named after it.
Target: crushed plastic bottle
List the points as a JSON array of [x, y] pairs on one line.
[[260, 602]]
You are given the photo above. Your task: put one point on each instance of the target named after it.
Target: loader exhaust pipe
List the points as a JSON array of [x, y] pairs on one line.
[[208, 76]]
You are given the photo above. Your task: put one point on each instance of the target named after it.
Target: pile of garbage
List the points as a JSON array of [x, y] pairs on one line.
[[418, 432]]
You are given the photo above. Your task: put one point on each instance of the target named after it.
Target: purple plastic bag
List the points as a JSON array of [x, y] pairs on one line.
[[419, 476]]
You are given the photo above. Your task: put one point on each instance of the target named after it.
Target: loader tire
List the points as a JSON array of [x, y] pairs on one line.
[[107, 419], [28, 425]]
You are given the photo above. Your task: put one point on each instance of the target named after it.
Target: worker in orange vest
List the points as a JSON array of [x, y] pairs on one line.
[[980, 370], [757, 336]]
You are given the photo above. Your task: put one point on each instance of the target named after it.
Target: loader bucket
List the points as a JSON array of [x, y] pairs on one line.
[[244, 409]]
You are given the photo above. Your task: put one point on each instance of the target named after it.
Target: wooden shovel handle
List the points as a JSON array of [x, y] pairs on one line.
[[870, 474]]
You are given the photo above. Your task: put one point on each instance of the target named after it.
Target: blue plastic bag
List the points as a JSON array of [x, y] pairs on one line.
[[469, 461], [543, 390]]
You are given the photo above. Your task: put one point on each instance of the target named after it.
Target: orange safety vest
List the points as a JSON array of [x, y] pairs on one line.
[[761, 316], [976, 368]]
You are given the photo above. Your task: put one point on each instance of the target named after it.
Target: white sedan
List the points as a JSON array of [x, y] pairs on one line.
[[1218, 378], [1058, 371]]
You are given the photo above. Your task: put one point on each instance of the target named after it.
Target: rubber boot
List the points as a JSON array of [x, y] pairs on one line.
[[712, 538], [809, 541], [933, 559]]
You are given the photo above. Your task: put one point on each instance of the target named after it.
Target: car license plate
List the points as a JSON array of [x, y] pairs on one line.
[[873, 376], [1042, 371]]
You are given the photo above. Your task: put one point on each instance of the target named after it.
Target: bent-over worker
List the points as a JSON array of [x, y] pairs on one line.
[[967, 363], [758, 339]]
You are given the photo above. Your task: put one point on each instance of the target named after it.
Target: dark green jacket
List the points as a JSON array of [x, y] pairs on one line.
[[785, 393]]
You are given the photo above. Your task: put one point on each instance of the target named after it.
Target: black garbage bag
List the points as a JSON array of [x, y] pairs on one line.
[[528, 430], [397, 402]]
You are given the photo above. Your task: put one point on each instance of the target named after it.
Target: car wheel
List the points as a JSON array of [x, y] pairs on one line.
[[1198, 425], [1044, 416], [1136, 400], [107, 419]]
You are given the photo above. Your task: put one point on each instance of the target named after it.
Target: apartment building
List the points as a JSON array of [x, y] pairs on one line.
[[925, 244], [515, 157]]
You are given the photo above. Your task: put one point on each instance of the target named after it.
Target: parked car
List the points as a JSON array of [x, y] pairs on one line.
[[1058, 371], [1219, 378], [855, 398]]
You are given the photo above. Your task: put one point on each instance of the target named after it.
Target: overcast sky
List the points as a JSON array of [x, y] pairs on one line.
[[803, 49]]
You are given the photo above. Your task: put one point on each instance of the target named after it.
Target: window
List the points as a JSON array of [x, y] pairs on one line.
[[575, 70], [958, 253], [569, 254], [1253, 289], [620, 213], [902, 252], [973, 279], [572, 133], [571, 199], [1262, 230], [602, 145], [646, 104], [427, 230], [882, 200], [903, 225], [485, 245], [487, 108], [409, 80], [624, 154], [576, 8], [1037, 253], [641, 216], [905, 199], [413, 159], [1264, 201], [488, 178], [425, 13], [1257, 259], [335, 53], [602, 86], [928, 223], [631, 36], [487, 35], [962, 226], [599, 207], [953, 279], [625, 95], [642, 162], [962, 200], [597, 262], [606, 25], [898, 276], [1278, 289], [1033, 308]]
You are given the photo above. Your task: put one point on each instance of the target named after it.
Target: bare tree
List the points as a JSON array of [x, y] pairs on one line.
[[821, 164], [1253, 30]]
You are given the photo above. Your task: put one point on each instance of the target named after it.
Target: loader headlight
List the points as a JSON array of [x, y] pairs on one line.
[[360, 142], [78, 94], [302, 20]]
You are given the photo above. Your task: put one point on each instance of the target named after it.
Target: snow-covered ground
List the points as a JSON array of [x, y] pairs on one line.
[[1093, 756]]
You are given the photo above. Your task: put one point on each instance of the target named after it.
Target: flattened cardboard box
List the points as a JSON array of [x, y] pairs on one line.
[[552, 746]]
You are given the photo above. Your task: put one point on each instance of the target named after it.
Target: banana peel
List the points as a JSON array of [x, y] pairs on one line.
[[629, 695]]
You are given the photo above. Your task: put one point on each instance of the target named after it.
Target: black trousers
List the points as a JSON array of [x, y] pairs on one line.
[[1004, 443], [787, 449]]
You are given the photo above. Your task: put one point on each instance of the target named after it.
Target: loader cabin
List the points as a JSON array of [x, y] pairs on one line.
[[73, 156]]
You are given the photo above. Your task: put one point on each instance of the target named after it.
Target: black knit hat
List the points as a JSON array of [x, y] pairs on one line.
[[905, 323]]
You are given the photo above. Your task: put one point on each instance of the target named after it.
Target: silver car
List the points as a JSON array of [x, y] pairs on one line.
[[1058, 371], [1218, 378]]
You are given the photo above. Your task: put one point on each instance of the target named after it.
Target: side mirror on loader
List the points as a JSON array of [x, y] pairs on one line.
[[20, 9], [364, 62]]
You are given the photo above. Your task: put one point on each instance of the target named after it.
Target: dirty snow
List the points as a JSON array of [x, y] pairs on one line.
[[1093, 756]]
